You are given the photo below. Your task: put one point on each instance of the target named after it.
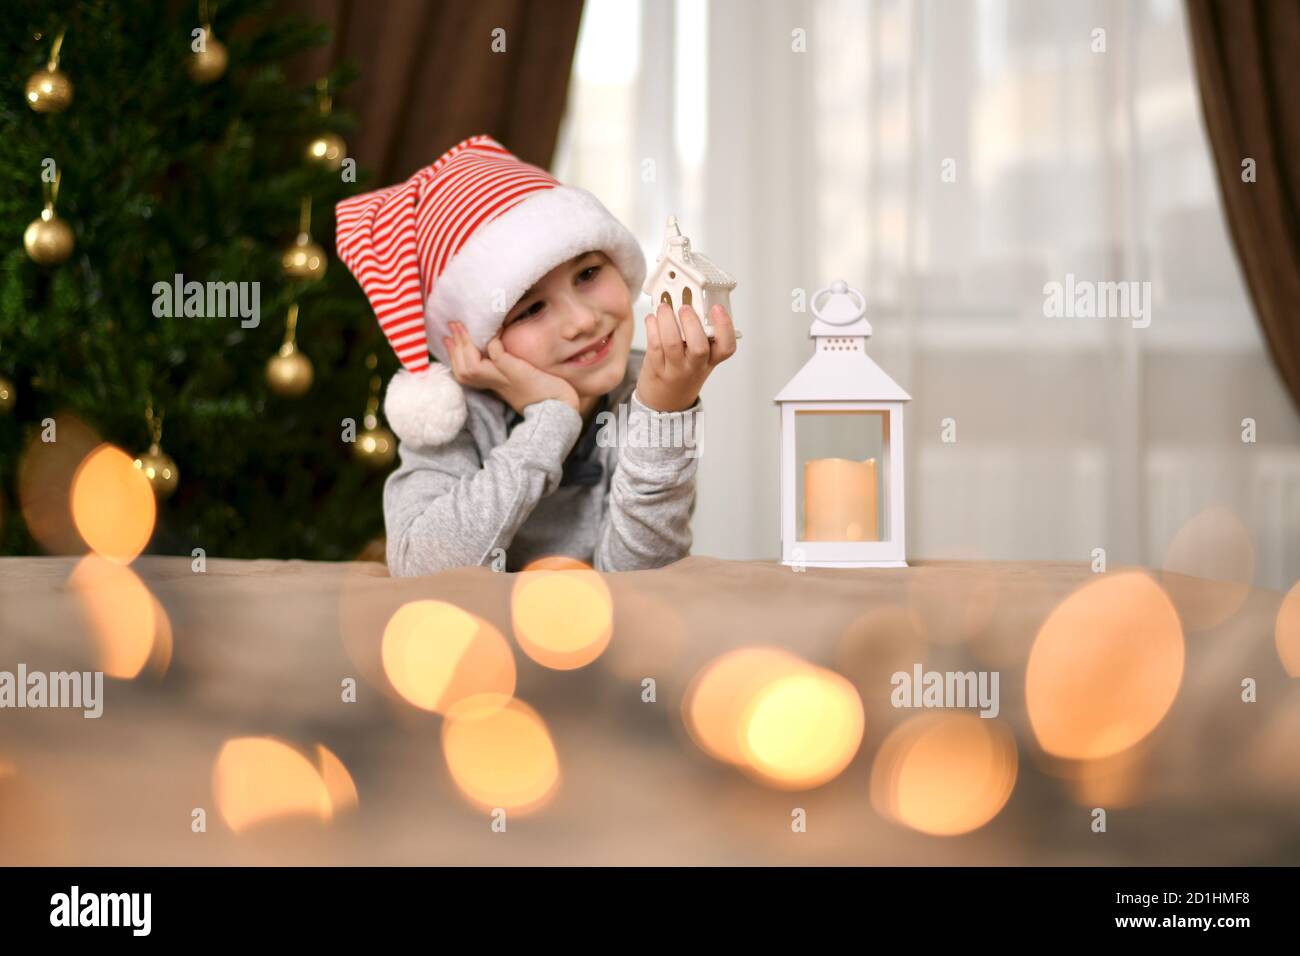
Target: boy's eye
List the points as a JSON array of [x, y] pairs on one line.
[[531, 310], [586, 275]]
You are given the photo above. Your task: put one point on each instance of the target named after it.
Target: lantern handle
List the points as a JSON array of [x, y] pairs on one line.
[[839, 287]]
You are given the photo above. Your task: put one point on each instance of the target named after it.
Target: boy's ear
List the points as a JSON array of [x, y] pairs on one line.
[[425, 407]]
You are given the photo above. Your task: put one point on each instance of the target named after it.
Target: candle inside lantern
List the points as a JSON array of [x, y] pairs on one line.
[[839, 500]]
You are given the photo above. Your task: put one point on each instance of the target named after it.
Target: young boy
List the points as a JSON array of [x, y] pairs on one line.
[[523, 289]]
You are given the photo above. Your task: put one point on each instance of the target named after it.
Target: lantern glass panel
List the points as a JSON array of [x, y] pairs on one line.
[[841, 475]]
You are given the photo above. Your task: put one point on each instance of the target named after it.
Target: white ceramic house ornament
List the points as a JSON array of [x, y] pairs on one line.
[[841, 446], [683, 277]]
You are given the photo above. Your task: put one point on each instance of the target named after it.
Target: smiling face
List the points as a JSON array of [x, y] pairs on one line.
[[579, 304]]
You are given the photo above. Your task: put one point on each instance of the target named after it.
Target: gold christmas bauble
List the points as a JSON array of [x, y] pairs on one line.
[[49, 91], [375, 447], [48, 240], [161, 471], [328, 150], [289, 372], [208, 64], [7, 395], [304, 260]]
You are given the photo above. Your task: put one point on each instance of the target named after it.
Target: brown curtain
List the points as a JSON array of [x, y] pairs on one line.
[[1248, 67], [429, 77]]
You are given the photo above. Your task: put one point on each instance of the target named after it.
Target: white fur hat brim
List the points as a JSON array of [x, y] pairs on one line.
[[504, 259], [425, 407]]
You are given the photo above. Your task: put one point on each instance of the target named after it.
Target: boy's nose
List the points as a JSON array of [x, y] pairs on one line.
[[581, 321]]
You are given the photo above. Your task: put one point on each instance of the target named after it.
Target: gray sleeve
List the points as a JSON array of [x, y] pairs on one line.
[[652, 494], [445, 508]]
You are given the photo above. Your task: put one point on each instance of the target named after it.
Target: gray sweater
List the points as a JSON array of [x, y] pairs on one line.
[[511, 488]]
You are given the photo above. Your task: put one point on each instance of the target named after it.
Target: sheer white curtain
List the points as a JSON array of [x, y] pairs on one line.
[[951, 159]]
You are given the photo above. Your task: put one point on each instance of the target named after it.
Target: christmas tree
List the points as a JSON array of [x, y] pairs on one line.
[[178, 158]]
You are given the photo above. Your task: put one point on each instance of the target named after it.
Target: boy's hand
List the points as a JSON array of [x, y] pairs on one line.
[[674, 369], [519, 383]]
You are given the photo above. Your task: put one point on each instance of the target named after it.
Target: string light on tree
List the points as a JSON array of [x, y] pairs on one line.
[[7, 396], [289, 372], [327, 149], [376, 446], [48, 239], [156, 464], [49, 90], [208, 55], [304, 259]]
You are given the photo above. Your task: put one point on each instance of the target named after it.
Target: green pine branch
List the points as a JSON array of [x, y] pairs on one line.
[[162, 176]]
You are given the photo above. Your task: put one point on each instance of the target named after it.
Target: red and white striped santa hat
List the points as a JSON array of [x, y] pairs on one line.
[[463, 239]]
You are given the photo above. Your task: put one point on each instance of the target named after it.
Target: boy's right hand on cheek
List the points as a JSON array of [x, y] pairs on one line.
[[519, 383]]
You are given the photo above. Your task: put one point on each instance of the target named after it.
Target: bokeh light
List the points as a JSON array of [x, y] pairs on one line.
[[501, 756], [259, 779], [129, 625], [1214, 547], [338, 782], [557, 562], [718, 699], [436, 655], [562, 619], [160, 658], [1287, 631], [113, 504], [1105, 667], [45, 474], [944, 773], [802, 730]]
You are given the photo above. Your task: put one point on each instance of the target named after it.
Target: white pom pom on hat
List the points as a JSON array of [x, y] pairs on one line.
[[462, 240], [430, 405]]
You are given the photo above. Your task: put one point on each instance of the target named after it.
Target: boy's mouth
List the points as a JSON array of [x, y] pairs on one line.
[[592, 354]]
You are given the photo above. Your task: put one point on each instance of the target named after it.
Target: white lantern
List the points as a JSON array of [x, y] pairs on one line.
[[841, 446]]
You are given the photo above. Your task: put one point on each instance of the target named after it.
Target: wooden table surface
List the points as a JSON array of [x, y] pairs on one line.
[[260, 648]]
